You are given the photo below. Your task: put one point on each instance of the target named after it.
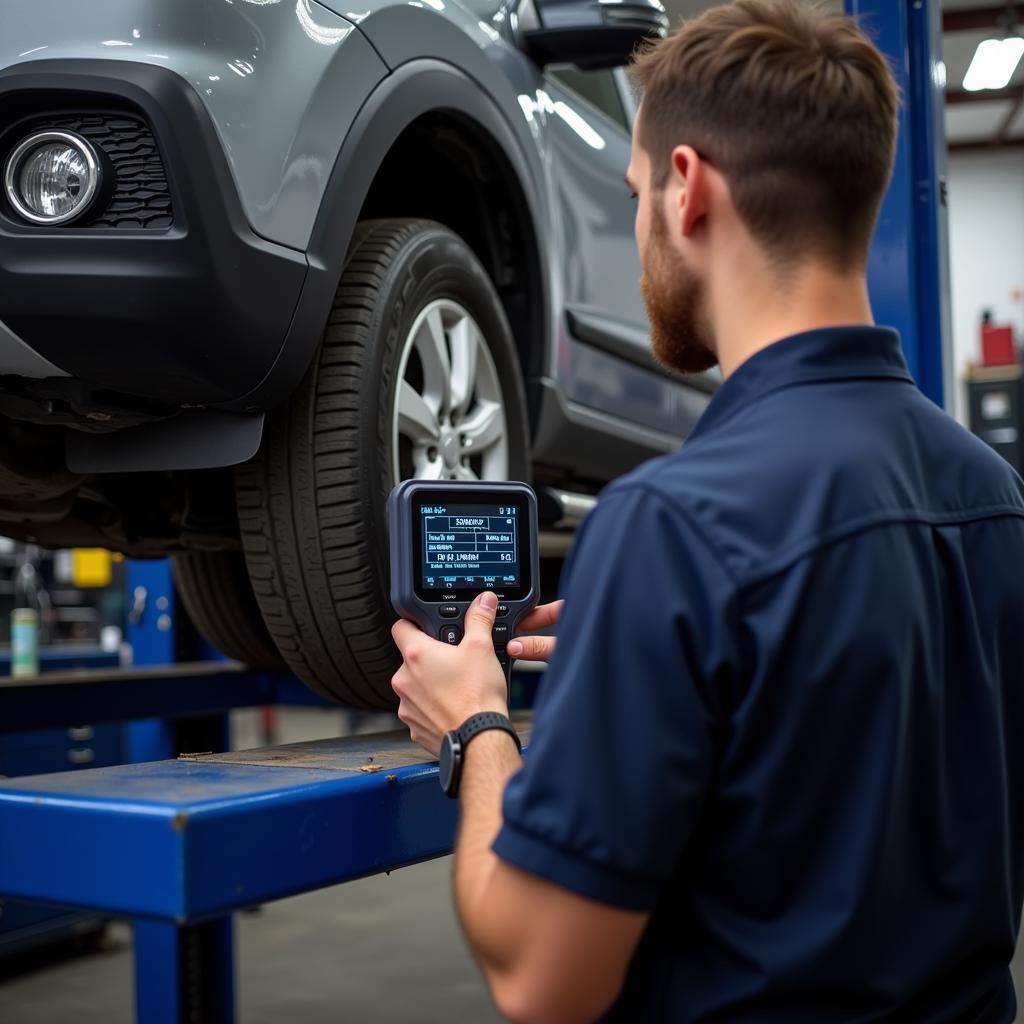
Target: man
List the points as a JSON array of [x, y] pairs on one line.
[[776, 770]]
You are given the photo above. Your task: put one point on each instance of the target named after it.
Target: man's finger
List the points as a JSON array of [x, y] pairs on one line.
[[404, 632], [542, 616], [532, 648], [480, 617]]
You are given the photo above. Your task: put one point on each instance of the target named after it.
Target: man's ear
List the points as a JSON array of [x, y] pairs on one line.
[[691, 180]]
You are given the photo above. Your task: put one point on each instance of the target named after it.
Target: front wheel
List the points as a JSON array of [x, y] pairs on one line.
[[416, 376]]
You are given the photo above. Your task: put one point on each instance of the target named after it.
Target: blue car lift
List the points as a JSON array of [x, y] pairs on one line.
[[178, 845]]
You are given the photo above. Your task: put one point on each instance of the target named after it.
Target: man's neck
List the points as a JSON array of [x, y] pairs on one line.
[[770, 307]]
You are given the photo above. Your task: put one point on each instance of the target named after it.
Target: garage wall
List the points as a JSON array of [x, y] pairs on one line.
[[986, 242]]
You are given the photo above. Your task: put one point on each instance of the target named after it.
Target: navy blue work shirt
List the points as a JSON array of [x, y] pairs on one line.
[[786, 710]]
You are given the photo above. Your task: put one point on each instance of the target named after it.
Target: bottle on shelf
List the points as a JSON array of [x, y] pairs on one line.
[[25, 620]]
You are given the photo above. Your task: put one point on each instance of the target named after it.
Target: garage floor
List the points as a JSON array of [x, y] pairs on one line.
[[382, 950], [385, 950]]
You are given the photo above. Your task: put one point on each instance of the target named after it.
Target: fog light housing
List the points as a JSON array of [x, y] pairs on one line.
[[52, 177]]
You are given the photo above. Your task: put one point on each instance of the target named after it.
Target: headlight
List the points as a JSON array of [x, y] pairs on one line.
[[52, 177]]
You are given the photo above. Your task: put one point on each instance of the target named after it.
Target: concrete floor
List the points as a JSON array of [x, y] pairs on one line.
[[385, 950]]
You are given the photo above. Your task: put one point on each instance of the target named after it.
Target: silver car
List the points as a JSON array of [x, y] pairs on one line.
[[260, 259]]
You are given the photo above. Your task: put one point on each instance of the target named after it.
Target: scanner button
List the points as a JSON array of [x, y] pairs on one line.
[[451, 634], [448, 611], [500, 634], [502, 611]]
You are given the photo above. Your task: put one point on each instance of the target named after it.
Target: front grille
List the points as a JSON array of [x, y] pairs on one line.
[[140, 198]]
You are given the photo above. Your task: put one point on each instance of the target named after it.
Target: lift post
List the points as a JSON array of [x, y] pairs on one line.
[[908, 269]]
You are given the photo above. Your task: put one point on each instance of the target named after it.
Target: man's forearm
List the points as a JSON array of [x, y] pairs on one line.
[[491, 760]]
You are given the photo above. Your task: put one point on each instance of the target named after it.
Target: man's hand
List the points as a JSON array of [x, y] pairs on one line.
[[439, 686], [536, 648]]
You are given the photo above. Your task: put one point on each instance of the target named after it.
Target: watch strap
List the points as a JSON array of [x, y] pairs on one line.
[[484, 721]]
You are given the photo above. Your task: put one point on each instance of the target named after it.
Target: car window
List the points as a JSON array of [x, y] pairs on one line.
[[598, 88]]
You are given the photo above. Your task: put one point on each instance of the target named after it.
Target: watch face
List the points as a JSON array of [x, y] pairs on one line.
[[446, 765]]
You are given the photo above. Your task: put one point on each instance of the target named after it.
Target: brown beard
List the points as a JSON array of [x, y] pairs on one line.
[[681, 335]]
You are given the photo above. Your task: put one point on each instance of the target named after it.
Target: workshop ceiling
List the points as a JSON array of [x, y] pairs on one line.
[[986, 119], [974, 120]]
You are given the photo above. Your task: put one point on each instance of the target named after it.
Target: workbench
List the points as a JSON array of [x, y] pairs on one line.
[[179, 845], [198, 689]]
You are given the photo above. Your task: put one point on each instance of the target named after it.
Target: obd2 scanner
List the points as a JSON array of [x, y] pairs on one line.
[[452, 540]]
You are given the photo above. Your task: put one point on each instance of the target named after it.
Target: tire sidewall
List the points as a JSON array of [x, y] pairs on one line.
[[433, 264]]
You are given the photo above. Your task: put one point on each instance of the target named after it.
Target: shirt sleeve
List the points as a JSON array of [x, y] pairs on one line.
[[622, 747]]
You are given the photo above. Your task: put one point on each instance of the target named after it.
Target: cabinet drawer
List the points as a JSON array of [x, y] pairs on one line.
[[79, 735], [102, 751]]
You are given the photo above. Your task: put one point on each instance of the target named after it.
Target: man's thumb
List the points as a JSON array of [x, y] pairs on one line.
[[480, 617]]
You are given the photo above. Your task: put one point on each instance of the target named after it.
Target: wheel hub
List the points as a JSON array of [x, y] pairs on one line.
[[451, 450], [449, 410]]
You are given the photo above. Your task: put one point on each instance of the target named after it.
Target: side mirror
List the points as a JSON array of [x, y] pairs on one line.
[[591, 34]]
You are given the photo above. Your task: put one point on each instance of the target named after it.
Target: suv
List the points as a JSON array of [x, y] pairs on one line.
[[259, 260]]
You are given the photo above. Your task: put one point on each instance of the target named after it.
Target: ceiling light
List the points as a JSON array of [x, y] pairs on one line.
[[994, 63]]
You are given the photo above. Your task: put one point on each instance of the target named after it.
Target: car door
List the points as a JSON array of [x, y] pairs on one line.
[[590, 136], [605, 361]]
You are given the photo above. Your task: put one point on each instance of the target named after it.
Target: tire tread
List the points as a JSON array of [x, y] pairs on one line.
[[218, 595]]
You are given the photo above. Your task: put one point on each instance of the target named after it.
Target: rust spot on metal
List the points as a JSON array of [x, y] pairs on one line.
[[179, 821], [392, 779], [370, 768]]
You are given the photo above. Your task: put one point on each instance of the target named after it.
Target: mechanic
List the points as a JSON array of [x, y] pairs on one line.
[[776, 767]]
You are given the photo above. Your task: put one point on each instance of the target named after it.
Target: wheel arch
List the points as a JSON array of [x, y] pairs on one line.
[[465, 181], [420, 94]]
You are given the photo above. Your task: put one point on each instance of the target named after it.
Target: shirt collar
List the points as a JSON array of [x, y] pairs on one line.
[[830, 353]]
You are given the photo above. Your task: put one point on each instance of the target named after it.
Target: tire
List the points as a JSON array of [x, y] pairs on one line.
[[215, 589], [312, 504]]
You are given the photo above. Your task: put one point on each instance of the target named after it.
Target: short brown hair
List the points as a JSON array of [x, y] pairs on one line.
[[795, 106]]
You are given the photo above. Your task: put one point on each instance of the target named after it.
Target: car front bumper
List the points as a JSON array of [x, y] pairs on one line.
[[194, 313]]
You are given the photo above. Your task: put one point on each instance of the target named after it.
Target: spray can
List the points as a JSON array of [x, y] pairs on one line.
[[24, 642]]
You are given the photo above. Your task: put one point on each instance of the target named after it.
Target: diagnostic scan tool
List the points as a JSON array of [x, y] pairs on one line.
[[450, 541]]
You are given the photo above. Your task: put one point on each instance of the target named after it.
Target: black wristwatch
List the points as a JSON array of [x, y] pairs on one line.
[[453, 746]]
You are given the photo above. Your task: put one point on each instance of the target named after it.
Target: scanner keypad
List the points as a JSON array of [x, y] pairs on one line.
[[452, 632]]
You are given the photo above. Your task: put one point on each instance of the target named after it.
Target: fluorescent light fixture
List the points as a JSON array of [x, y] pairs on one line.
[[994, 63]]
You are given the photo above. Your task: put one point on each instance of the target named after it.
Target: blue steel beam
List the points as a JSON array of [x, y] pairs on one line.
[[152, 619], [184, 974], [908, 269], [186, 840], [59, 699]]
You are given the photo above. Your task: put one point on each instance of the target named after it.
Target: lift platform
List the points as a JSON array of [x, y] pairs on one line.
[[179, 845]]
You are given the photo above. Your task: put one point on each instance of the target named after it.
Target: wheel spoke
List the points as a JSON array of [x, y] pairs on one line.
[[424, 469], [484, 428], [437, 368], [448, 390], [416, 420], [465, 341]]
